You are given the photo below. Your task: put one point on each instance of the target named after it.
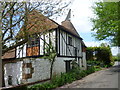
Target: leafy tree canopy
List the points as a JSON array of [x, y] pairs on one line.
[[106, 22]]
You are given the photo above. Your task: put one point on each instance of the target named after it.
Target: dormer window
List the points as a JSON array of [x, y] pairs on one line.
[[69, 40]]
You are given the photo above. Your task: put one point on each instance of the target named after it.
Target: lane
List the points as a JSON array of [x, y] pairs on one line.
[[107, 78]]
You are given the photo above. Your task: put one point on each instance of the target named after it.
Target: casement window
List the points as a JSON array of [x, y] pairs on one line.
[[33, 47], [69, 40], [33, 42]]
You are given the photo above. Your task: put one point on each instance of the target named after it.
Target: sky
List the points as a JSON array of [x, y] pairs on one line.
[[81, 12]]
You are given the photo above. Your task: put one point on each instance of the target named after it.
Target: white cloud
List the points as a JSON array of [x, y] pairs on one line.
[[92, 44], [81, 14], [83, 26]]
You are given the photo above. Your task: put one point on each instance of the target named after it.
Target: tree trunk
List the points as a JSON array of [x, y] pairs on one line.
[[0, 65], [51, 69], [3, 80], [0, 48]]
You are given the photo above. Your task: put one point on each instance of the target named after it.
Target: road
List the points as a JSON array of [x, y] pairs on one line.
[[107, 78]]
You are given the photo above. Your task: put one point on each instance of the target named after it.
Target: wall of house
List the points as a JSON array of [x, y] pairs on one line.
[[84, 60], [32, 70], [62, 46], [64, 49], [21, 51], [12, 73]]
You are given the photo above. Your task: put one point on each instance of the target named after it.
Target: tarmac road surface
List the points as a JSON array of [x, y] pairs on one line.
[[107, 78]]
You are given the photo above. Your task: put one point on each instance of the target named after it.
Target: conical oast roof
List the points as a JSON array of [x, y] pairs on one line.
[[67, 24]]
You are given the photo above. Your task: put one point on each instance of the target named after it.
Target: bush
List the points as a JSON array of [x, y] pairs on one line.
[[90, 70], [95, 63], [102, 54], [64, 78], [116, 58], [97, 68], [43, 86]]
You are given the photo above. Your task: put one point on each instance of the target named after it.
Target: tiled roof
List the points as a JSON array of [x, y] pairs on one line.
[[67, 24], [37, 23], [9, 54]]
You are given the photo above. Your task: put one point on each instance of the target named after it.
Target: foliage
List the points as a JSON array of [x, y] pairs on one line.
[[50, 54], [116, 58], [14, 16], [106, 22], [75, 65], [65, 78], [101, 54], [43, 86], [90, 70], [95, 63], [89, 52], [97, 68]]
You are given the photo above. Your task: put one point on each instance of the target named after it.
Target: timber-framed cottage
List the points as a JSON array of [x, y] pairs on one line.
[[27, 66]]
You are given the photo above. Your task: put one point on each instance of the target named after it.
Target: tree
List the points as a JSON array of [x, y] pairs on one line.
[[50, 54], [104, 45], [14, 17], [106, 23], [0, 50]]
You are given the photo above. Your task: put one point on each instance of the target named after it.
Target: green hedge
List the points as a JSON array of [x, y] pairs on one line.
[[102, 54], [115, 58]]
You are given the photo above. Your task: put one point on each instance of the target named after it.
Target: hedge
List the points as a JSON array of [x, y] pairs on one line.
[[102, 54]]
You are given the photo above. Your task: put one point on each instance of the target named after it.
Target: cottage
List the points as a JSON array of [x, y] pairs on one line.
[[26, 64]]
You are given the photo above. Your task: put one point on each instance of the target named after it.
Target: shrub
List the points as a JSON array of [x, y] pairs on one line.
[[90, 70], [43, 86], [64, 78], [97, 68], [102, 54], [116, 58], [83, 73]]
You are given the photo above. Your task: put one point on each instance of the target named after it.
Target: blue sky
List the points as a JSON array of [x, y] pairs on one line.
[[81, 13]]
